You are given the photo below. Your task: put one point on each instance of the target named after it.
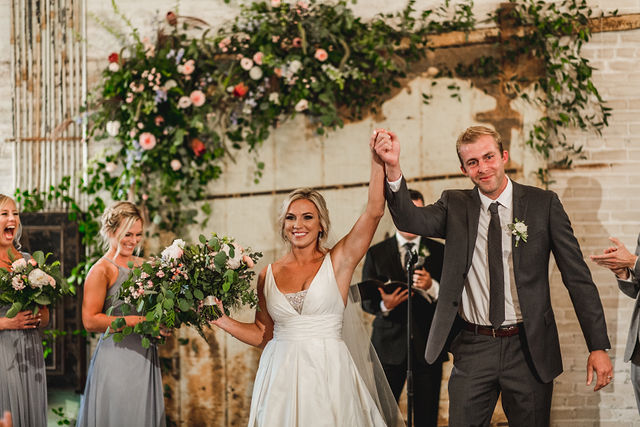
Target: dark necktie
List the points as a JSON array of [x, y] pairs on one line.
[[408, 247], [496, 270]]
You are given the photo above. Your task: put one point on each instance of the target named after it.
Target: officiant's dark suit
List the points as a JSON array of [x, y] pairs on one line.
[[517, 360], [389, 335]]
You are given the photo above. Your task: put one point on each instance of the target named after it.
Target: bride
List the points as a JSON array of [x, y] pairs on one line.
[[310, 374]]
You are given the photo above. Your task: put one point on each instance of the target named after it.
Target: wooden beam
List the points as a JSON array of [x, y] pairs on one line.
[[492, 35]]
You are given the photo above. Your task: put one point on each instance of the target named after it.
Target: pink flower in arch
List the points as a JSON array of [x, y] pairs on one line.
[[257, 58], [147, 140], [197, 98], [246, 64], [189, 67], [321, 55], [297, 42]]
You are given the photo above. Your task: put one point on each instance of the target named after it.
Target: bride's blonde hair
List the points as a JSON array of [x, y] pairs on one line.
[[116, 220], [323, 213]]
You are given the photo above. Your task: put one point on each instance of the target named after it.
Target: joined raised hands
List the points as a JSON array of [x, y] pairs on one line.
[[616, 258], [386, 147]]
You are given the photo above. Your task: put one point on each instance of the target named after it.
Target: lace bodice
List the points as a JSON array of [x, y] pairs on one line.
[[296, 299]]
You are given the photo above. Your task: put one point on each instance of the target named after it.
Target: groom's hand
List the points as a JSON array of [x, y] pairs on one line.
[[600, 363], [387, 147]]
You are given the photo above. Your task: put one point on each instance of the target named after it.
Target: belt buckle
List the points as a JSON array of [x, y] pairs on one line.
[[493, 332]]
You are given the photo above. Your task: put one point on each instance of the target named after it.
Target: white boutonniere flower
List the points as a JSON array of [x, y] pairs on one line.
[[519, 229], [424, 251]]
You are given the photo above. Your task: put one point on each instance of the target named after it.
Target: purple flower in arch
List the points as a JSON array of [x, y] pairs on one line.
[[179, 55], [161, 96]]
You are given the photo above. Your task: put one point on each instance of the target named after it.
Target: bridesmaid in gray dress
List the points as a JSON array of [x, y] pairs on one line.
[[124, 385], [23, 387]]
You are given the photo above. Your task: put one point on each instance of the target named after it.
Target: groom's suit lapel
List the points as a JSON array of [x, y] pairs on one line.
[[520, 212], [473, 215]]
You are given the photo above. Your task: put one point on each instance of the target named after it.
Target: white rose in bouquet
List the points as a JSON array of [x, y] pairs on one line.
[[19, 265], [234, 262], [174, 251], [17, 283], [38, 278]]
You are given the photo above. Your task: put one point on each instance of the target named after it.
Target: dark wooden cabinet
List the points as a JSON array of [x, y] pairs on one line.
[[52, 232]]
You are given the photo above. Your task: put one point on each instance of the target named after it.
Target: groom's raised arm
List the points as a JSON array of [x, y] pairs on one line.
[[426, 221]]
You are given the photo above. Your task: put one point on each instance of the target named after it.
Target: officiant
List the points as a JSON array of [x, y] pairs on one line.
[[385, 262]]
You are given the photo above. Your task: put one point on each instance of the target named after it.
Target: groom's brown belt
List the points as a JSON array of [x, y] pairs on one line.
[[502, 331]]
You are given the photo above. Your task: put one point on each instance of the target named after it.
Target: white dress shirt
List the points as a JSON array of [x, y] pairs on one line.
[[430, 294], [475, 295]]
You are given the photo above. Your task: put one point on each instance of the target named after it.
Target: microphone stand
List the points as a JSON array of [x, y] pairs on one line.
[[410, 259]]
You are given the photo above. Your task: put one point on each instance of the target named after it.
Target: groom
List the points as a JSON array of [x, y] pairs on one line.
[[495, 285]]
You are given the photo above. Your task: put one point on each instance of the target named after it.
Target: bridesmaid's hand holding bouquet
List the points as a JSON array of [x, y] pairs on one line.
[[31, 284], [177, 287]]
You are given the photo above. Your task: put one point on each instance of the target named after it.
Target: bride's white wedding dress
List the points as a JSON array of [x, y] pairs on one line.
[[306, 375]]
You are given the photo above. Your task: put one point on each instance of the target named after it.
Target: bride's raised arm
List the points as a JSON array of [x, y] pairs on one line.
[[258, 333], [348, 252]]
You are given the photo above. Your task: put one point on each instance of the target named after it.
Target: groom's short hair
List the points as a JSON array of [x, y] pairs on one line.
[[471, 135]]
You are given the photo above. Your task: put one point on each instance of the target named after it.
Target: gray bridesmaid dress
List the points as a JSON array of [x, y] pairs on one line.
[[124, 384], [23, 379]]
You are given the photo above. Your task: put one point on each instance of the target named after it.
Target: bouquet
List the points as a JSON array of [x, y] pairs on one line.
[[31, 284], [180, 287]]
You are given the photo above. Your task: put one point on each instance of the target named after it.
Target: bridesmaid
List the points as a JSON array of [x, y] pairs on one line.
[[124, 385], [23, 387]]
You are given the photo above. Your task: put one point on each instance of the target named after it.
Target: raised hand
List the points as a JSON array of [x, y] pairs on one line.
[[616, 258], [387, 147]]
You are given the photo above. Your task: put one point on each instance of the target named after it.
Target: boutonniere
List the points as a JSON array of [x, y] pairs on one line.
[[424, 251], [519, 229]]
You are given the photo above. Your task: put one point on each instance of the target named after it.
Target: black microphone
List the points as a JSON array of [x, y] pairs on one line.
[[410, 258]]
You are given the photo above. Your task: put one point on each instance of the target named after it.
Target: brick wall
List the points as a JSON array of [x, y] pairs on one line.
[[601, 196]]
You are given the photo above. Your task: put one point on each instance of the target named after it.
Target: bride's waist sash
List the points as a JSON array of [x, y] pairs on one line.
[[325, 326]]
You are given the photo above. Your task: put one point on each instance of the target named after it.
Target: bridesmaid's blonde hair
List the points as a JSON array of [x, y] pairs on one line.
[[323, 213], [116, 220], [16, 239]]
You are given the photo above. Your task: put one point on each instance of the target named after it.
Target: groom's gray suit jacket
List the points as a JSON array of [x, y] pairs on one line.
[[632, 289], [455, 218]]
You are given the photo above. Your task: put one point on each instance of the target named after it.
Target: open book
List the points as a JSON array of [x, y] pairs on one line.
[[369, 288]]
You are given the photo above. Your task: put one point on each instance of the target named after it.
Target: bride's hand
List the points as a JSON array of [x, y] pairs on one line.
[[220, 308]]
